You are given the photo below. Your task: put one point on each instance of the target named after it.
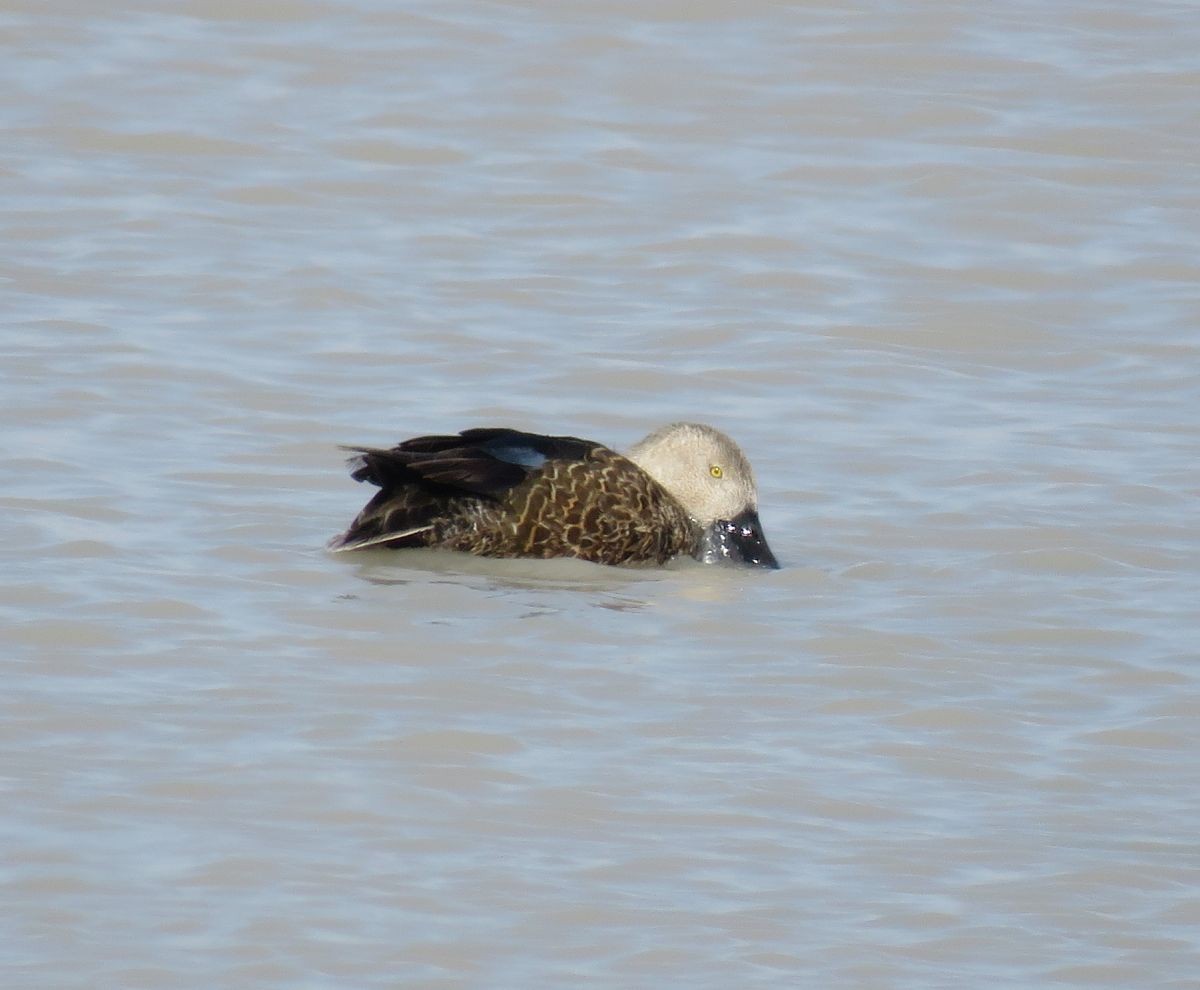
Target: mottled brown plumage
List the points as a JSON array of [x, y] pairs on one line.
[[503, 493]]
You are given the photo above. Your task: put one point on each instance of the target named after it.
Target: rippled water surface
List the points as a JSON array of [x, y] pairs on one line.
[[933, 265]]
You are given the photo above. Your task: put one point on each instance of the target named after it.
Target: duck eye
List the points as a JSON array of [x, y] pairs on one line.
[[715, 471]]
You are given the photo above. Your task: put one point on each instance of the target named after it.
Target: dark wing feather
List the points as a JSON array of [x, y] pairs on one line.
[[470, 472], [528, 450], [420, 478], [485, 462]]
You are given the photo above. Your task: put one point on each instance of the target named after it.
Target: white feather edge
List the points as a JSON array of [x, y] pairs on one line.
[[334, 547]]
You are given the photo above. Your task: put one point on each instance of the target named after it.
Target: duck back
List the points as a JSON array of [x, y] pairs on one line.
[[505, 493]]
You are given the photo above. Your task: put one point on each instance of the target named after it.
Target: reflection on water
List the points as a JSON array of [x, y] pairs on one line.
[[579, 580], [933, 267]]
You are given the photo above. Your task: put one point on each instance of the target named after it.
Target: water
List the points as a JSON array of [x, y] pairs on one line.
[[934, 266]]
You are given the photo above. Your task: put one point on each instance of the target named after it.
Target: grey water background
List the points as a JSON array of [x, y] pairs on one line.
[[934, 265]]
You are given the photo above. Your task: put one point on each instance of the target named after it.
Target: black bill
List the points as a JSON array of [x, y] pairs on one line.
[[739, 541]]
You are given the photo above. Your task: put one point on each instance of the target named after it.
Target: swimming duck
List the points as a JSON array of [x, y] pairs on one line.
[[684, 489]]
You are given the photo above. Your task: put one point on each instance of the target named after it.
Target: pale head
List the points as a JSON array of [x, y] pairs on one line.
[[711, 479], [706, 471]]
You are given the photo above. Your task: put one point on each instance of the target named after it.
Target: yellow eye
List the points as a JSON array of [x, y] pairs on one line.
[[716, 471]]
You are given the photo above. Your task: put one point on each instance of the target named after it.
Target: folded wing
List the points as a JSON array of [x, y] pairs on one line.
[[421, 479]]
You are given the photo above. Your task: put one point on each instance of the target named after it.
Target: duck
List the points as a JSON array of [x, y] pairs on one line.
[[686, 490]]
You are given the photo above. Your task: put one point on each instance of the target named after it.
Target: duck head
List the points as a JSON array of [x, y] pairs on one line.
[[709, 476]]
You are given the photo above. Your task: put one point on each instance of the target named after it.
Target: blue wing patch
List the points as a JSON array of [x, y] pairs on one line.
[[519, 454]]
